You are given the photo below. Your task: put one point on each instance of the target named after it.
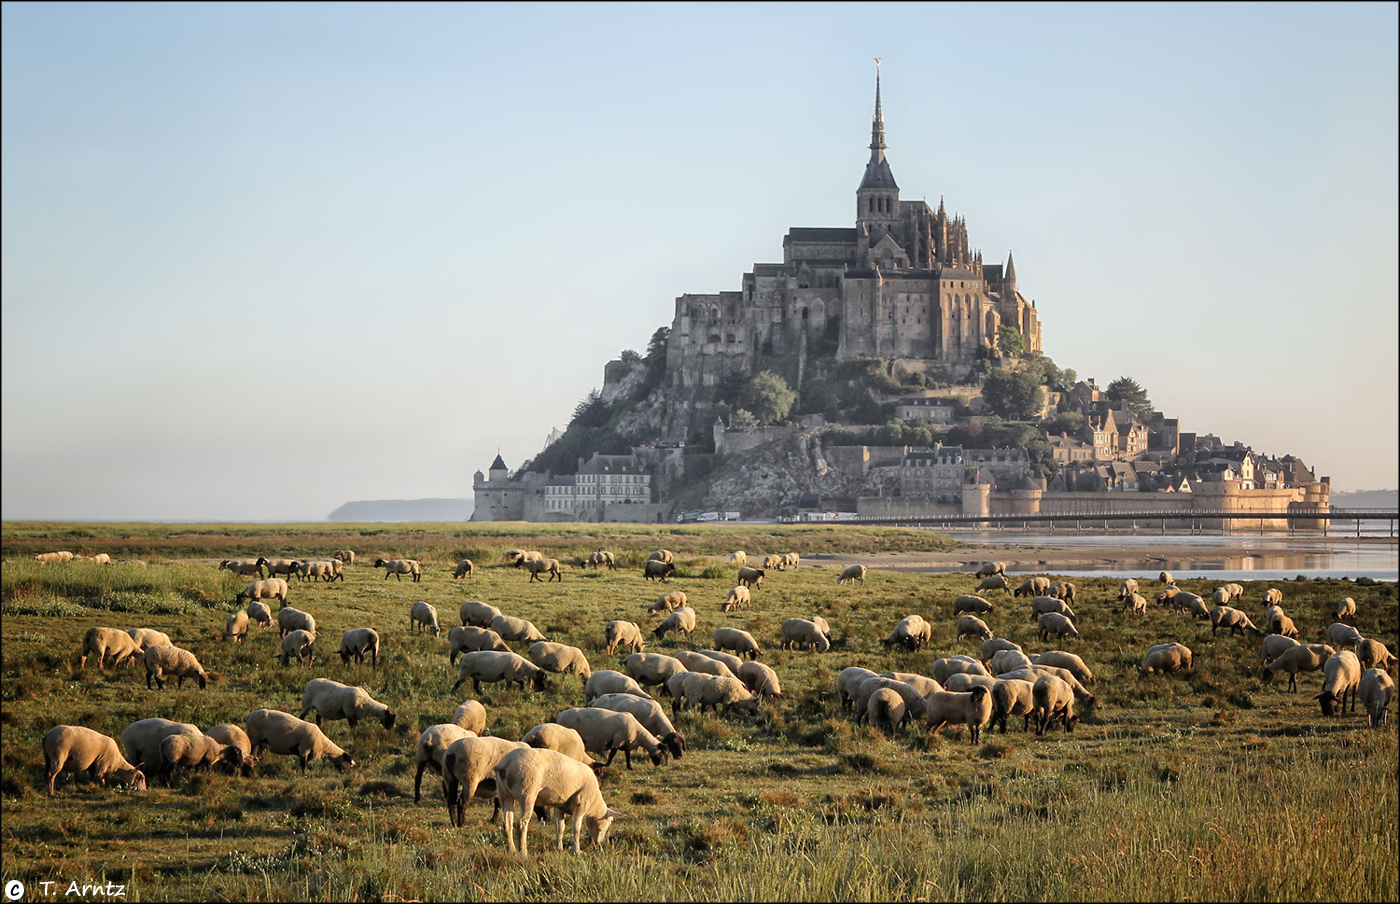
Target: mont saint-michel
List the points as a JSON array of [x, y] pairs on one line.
[[884, 369]]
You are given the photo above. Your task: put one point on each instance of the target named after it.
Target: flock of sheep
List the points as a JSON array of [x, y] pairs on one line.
[[552, 767]]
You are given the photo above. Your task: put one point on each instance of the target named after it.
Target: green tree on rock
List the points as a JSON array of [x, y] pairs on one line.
[[1015, 396], [1127, 390], [767, 395], [1010, 341]]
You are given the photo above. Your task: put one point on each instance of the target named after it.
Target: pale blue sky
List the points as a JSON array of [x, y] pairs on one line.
[[261, 260]]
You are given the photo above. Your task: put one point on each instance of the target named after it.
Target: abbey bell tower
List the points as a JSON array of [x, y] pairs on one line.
[[877, 199]]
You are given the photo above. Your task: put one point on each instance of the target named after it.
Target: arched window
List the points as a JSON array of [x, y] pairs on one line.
[[804, 313]]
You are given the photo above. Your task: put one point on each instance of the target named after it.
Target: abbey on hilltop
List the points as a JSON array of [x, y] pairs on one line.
[[902, 284]]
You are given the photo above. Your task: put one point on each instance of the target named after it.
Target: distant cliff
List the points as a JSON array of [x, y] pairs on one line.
[[404, 510]]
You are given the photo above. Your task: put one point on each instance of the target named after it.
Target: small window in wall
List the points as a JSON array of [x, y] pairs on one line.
[[804, 314]]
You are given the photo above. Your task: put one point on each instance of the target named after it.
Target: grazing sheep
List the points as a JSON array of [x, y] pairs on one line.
[[300, 645], [790, 560], [1012, 697], [711, 691], [822, 626], [400, 567], [1136, 603], [885, 710], [1274, 645], [529, 778], [432, 747], [1032, 672], [320, 570], [516, 630], [652, 668], [952, 665], [556, 737], [1302, 658], [424, 615], [1192, 605], [741, 642], [992, 645], [975, 604], [1273, 597], [622, 633], [1343, 635], [739, 598], [104, 641], [236, 626], [682, 621], [63, 557], [244, 567], [529, 555], [471, 640], [997, 582], [1168, 596], [1167, 658], [738, 557], [699, 662], [913, 701], [912, 632], [1279, 623], [751, 577], [477, 614], [1043, 604], [1233, 619], [1053, 701], [234, 736], [761, 680], [356, 643], [292, 619], [345, 555], [1166, 578], [962, 682], [149, 637], [602, 558], [1008, 660], [608, 731], [1377, 690], [195, 753], [607, 681], [664, 556], [991, 568], [973, 708], [286, 735], [920, 683], [492, 666], [467, 772], [805, 633], [464, 569], [259, 614], [1373, 653], [730, 661], [668, 602], [1220, 596], [849, 682], [470, 715], [1062, 660], [1346, 608], [1341, 674], [852, 573], [284, 567], [73, 748], [650, 714], [164, 660], [560, 658], [334, 701], [972, 626], [270, 589], [1034, 586], [141, 740], [654, 570], [773, 561], [1127, 589], [544, 566], [1062, 590]]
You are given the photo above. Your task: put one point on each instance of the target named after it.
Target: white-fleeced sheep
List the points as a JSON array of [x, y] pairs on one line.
[[662, 555], [921, 683], [1032, 587], [608, 731], [952, 665], [1302, 658], [465, 569], [992, 645], [973, 604], [1341, 635], [973, 709], [234, 736], [492, 666], [357, 643], [561, 739], [545, 566], [432, 747], [1274, 645], [740, 641], [467, 771], [803, 632], [1166, 578], [104, 642], [284, 567], [47, 558], [1043, 604], [680, 622], [516, 630], [1273, 596], [773, 560], [618, 633], [739, 598], [180, 751], [914, 702], [73, 748], [1008, 660], [738, 557], [713, 691], [269, 589], [244, 567], [559, 658], [286, 735], [730, 661], [1232, 619], [149, 637], [1135, 603], [1012, 697], [607, 681], [668, 602], [1127, 588], [299, 645], [471, 640], [849, 682], [1191, 604], [1068, 661], [1372, 652], [654, 570], [163, 660], [912, 633], [293, 619], [477, 614], [334, 701], [1054, 702], [1377, 690], [1279, 622], [699, 662], [1341, 675], [751, 577], [236, 626], [998, 582], [852, 573], [531, 778], [141, 740], [972, 626], [344, 555], [885, 710], [424, 617], [259, 614], [991, 568], [650, 714], [652, 669], [470, 715], [761, 680], [1163, 659], [1346, 608], [400, 567], [1062, 590], [965, 681]]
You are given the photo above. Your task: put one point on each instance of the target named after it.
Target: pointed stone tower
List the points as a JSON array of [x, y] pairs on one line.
[[877, 199]]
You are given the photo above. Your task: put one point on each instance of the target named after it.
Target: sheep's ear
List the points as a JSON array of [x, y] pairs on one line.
[[613, 814]]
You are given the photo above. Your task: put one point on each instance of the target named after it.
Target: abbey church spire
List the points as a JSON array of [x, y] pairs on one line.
[[877, 171]]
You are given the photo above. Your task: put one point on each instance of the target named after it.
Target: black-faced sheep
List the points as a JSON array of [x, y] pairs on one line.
[[1165, 658], [163, 660], [1302, 658], [852, 573], [293, 619], [849, 682], [400, 567], [1032, 587], [333, 700], [652, 669], [47, 558], [803, 632], [740, 641], [1377, 690], [668, 602], [1341, 675], [477, 614], [973, 604], [299, 645], [654, 570], [972, 626], [356, 643], [1054, 701], [699, 662], [607, 681], [1232, 619], [467, 772], [560, 658], [529, 778], [739, 598], [990, 568], [1012, 697], [544, 566], [912, 633], [424, 617], [1274, 645], [997, 582], [516, 630], [973, 708], [269, 589], [286, 735], [1043, 604], [1346, 608], [751, 577], [259, 614], [432, 747], [608, 731], [471, 640], [618, 633], [680, 622], [464, 569], [711, 691], [648, 712], [491, 666], [73, 748], [108, 641], [236, 626], [141, 739], [952, 665], [1372, 652]]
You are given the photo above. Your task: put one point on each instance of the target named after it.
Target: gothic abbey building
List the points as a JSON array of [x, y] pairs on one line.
[[902, 284]]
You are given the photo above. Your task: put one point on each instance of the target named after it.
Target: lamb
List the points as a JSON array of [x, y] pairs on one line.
[[914, 702], [149, 637], [975, 604], [470, 640], [556, 737], [738, 557], [1127, 589], [972, 626], [432, 747], [805, 633], [973, 708], [400, 567], [198, 753], [1346, 608], [618, 633], [259, 614], [356, 643], [963, 681], [236, 626], [464, 569], [607, 681], [1273, 597], [63, 557], [665, 556], [650, 714], [470, 715], [652, 668], [1341, 674], [1136, 603], [1053, 701], [560, 658], [270, 589], [912, 633], [544, 566], [998, 582], [682, 621], [517, 630], [467, 769], [333, 700], [1192, 604], [1233, 619], [654, 570], [992, 645], [286, 735], [1167, 658], [244, 567], [698, 662], [291, 619], [104, 641], [761, 680], [739, 598], [163, 660], [1035, 586], [1009, 660], [711, 691], [141, 740], [953, 665], [751, 577], [668, 602], [1062, 590], [1042, 604], [991, 568], [1377, 690], [73, 748], [491, 666], [234, 736], [885, 710], [529, 778], [608, 731], [1302, 658], [1373, 653], [730, 661], [1274, 645], [299, 644], [1012, 697], [476, 614], [1343, 635], [1069, 661], [849, 682], [423, 616], [345, 555], [852, 573], [1279, 623], [741, 642]]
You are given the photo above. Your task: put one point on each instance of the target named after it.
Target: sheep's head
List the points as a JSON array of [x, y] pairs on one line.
[[137, 779], [1329, 703], [344, 762], [675, 741], [203, 678], [661, 756], [540, 681], [388, 718], [598, 826]]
